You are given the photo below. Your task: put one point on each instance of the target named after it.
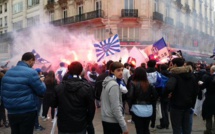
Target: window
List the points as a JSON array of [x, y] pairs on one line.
[[0, 22], [5, 7], [98, 5], [5, 21], [80, 9], [0, 9], [33, 2], [18, 7], [51, 16], [17, 25], [3, 47], [128, 34], [65, 14], [33, 21], [167, 10], [100, 34], [129, 4], [156, 6]]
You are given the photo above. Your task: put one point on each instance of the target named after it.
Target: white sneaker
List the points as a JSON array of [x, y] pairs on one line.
[[152, 129], [129, 120]]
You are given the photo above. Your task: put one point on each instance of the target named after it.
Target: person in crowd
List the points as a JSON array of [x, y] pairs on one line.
[[141, 94], [143, 65], [20, 87], [2, 108], [50, 82], [164, 101], [61, 72], [75, 101], [152, 78], [126, 72], [39, 100], [208, 109], [182, 90], [99, 80], [111, 101], [92, 75]]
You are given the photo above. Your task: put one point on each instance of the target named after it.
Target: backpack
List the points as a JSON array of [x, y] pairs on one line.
[[159, 82]]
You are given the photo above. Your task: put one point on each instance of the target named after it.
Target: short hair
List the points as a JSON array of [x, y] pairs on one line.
[[115, 65], [93, 69], [28, 56], [126, 64], [108, 64], [164, 67], [143, 65], [38, 70], [132, 69], [178, 61], [151, 63], [62, 64], [75, 68]]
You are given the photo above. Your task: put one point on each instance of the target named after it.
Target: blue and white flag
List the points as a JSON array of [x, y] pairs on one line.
[[159, 48], [38, 58], [107, 47]]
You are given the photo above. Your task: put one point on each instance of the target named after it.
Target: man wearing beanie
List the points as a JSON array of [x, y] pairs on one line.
[[75, 101]]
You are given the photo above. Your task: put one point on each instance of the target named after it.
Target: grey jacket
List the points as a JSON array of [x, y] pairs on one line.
[[111, 99]]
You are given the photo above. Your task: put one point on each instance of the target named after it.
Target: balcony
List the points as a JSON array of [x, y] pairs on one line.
[[79, 2], [169, 21], [187, 8], [129, 12], [50, 6], [63, 3], [178, 4], [157, 16], [179, 25], [79, 18]]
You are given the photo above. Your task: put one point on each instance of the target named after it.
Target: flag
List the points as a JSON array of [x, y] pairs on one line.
[[159, 49], [107, 47], [38, 58]]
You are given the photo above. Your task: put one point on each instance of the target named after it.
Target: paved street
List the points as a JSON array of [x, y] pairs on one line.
[[198, 126]]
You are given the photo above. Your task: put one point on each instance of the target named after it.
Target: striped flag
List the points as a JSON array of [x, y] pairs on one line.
[[107, 47], [38, 58]]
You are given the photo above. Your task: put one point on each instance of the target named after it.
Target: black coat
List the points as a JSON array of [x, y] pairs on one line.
[[184, 89], [76, 108], [208, 108]]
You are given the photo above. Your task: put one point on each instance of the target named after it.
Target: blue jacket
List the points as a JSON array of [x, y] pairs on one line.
[[20, 87]]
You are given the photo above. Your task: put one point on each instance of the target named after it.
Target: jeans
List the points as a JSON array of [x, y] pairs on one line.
[[153, 117], [39, 103], [164, 121], [210, 125], [141, 124], [90, 129], [111, 128], [180, 120], [22, 123]]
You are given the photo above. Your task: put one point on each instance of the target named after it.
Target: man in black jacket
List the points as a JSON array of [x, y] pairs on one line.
[[182, 89], [75, 101]]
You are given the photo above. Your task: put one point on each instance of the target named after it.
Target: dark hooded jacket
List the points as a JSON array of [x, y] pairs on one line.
[[76, 108], [208, 108], [183, 86]]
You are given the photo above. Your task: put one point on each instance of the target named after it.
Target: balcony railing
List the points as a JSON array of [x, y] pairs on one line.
[[157, 16], [50, 5], [187, 8], [79, 18], [129, 13], [179, 25], [178, 4], [169, 21]]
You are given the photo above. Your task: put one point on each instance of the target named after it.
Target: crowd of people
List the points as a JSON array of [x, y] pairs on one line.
[[73, 93]]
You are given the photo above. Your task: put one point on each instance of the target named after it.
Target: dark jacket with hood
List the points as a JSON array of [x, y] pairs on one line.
[[208, 108], [76, 108], [183, 86]]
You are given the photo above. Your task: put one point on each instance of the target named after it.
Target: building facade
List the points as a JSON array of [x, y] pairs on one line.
[[187, 24]]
